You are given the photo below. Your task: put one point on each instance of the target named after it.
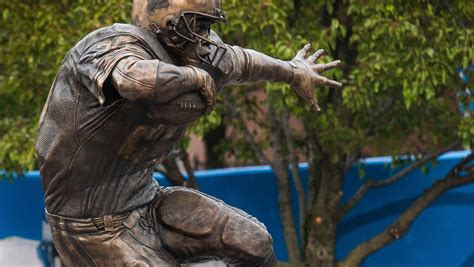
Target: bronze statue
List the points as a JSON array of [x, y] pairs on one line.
[[123, 96]]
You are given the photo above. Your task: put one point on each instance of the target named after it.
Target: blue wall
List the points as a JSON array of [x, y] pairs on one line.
[[443, 235]]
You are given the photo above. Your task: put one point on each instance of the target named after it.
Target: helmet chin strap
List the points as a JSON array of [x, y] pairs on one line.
[[181, 31], [168, 41], [196, 59], [162, 35]]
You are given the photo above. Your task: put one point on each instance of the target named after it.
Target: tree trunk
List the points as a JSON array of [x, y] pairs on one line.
[[321, 223], [172, 172], [287, 217], [191, 182], [212, 139], [280, 167]]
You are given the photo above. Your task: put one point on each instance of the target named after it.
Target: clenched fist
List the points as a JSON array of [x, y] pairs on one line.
[[307, 75], [206, 87]]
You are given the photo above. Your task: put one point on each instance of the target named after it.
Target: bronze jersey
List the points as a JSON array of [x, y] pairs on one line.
[[97, 150]]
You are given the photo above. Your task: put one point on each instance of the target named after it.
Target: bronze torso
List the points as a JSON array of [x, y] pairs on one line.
[[97, 149]]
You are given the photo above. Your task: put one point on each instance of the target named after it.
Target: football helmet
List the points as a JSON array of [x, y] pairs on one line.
[[177, 22]]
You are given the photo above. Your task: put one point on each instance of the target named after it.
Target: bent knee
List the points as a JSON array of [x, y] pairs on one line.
[[247, 236]]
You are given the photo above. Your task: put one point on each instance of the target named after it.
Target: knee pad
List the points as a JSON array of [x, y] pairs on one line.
[[188, 212], [247, 235]]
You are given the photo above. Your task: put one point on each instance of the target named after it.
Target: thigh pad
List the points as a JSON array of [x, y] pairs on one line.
[[189, 212]]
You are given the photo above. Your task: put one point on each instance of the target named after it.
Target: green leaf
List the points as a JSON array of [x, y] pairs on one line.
[[390, 8], [5, 14], [430, 52]]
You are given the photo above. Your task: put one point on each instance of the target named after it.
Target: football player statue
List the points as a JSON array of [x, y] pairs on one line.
[[123, 96]]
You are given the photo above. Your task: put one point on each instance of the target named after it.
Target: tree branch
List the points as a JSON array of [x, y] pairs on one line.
[[191, 182], [388, 181], [370, 131], [402, 224], [350, 160], [281, 171], [377, 118], [295, 172], [315, 152], [172, 172], [248, 136], [256, 148]]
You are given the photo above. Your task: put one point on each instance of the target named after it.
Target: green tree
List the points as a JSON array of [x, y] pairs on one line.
[[400, 86], [399, 60], [35, 36]]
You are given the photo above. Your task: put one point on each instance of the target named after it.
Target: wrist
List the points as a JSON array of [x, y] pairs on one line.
[[193, 76], [291, 69]]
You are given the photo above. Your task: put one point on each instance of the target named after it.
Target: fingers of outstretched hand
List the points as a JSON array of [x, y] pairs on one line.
[[331, 83], [309, 96], [314, 105], [314, 57], [302, 53], [324, 67]]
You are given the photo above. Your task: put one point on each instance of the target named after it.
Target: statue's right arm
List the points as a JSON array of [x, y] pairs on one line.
[[124, 62], [156, 82]]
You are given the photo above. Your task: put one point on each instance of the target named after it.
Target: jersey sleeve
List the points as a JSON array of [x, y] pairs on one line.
[[133, 72], [98, 61]]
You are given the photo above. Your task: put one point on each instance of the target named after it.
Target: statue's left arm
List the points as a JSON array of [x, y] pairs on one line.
[[302, 72]]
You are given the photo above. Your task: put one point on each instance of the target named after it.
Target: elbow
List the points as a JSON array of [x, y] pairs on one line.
[[134, 81]]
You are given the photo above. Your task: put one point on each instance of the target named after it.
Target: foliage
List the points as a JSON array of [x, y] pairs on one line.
[[399, 60], [399, 75], [35, 36]]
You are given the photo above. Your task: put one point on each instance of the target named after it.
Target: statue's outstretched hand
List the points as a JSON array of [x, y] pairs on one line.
[[307, 74]]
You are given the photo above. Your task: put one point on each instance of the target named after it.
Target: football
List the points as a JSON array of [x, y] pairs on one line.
[[181, 110]]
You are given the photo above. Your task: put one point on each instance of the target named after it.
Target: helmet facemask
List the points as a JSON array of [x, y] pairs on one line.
[[186, 29]]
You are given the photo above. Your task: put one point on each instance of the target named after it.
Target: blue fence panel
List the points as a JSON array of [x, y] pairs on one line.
[[21, 207], [443, 235]]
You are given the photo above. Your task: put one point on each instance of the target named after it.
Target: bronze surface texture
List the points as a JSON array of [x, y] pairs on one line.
[[123, 97]]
